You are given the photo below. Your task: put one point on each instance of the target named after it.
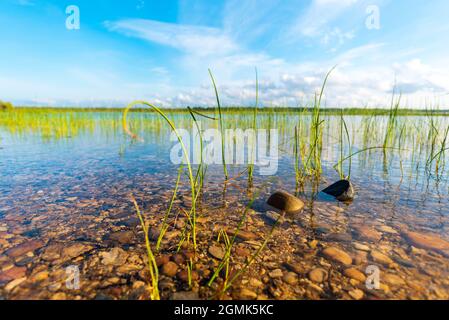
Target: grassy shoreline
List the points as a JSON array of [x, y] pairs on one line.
[[232, 109]]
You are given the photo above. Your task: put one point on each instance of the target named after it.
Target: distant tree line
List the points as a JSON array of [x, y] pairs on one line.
[[6, 105]]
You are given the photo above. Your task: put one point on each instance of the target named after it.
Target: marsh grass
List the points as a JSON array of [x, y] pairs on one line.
[[192, 215], [152, 265]]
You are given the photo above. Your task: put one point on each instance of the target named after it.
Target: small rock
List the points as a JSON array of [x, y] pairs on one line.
[[59, 296], [274, 216], [246, 294], [387, 229], [178, 259], [40, 276], [122, 237], [337, 255], [355, 274], [24, 248], [339, 237], [12, 274], [426, 241], [290, 278], [356, 294], [361, 247], [367, 233], [255, 283], [169, 269], [392, 279], [342, 190], [284, 201], [75, 250], [318, 275], [161, 260], [243, 235], [14, 284], [380, 258], [183, 275], [114, 257], [276, 273], [216, 252], [242, 252]]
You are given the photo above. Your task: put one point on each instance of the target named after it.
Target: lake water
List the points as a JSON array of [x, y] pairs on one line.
[[66, 180]]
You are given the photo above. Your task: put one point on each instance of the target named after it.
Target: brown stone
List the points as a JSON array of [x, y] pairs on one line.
[[24, 248], [355, 274], [169, 269], [12, 274], [426, 241], [284, 201], [337, 255], [367, 233], [318, 275]]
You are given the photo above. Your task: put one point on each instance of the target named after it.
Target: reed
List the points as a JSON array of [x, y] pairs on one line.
[[152, 265], [222, 128], [184, 150]]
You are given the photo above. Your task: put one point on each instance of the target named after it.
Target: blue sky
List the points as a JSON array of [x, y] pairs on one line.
[[161, 50]]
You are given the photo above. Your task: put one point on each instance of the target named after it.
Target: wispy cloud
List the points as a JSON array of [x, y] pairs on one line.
[[196, 40]]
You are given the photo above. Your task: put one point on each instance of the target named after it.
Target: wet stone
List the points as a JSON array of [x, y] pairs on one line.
[[24, 248], [169, 269], [114, 257], [355, 274], [337, 255], [285, 201], [318, 275], [381, 258], [367, 233], [216, 252], [426, 241], [122, 237]]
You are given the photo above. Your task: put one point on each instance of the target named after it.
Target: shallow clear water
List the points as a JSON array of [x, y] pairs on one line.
[[101, 166]]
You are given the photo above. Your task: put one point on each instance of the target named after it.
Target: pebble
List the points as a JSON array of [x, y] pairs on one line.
[[246, 294], [255, 283], [14, 283], [367, 233], [75, 250], [183, 275], [380, 258], [24, 248], [361, 247], [122, 237], [318, 275], [12, 274], [161, 260], [276, 273], [355, 274], [392, 279], [243, 235], [356, 294], [290, 278], [337, 255], [216, 252], [169, 269], [426, 241], [114, 257]]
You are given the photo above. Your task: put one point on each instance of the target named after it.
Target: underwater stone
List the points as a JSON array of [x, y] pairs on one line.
[[342, 190], [284, 201]]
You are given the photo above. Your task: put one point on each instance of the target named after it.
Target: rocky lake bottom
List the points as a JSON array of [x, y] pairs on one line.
[[65, 207]]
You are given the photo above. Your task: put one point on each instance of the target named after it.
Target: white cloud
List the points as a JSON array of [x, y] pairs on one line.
[[195, 40]]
